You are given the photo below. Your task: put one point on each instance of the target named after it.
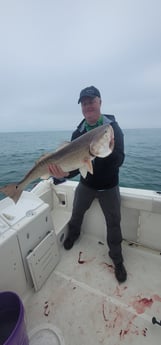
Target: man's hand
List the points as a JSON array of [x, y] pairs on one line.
[[56, 171]]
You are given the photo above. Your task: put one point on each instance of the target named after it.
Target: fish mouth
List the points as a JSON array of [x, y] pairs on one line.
[[91, 153]]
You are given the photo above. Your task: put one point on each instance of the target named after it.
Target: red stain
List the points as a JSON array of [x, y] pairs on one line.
[[120, 333], [46, 309], [142, 304], [120, 290], [125, 332], [117, 322], [144, 331], [80, 261], [156, 298], [110, 267], [130, 328], [146, 302], [103, 312], [117, 317], [99, 242]]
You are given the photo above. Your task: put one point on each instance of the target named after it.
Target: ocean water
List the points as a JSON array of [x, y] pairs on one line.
[[141, 168]]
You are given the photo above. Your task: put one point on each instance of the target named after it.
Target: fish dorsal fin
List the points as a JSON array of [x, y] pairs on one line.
[[87, 167], [65, 143], [46, 155]]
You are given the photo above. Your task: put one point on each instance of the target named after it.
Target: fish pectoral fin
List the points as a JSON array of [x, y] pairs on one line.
[[87, 167], [83, 171]]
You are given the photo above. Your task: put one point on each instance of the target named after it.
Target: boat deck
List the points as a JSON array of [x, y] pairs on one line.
[[83, 300]]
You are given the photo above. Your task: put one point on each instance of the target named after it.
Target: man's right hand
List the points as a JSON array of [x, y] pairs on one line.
[[56, 171]]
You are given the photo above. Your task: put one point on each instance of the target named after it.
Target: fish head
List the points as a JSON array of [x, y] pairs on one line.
[[102, 143]]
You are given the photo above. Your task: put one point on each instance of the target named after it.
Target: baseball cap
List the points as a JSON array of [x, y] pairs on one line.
[[90, 91]]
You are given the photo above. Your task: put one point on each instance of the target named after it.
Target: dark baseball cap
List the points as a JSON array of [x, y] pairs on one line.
[[89, 91]]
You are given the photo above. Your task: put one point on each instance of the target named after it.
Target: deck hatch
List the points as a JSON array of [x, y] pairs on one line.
[[43, 259]]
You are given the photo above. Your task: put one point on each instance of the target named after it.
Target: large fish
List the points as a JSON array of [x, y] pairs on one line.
[[76, 154]]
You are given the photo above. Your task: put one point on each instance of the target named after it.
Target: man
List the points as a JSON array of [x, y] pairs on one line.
[[103, 184]]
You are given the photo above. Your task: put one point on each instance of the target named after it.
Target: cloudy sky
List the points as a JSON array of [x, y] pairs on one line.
[[51, 49]]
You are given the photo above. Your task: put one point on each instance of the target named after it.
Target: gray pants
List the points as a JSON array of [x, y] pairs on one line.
[[110, 203]]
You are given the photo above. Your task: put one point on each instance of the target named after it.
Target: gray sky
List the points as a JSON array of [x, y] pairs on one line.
[[51, 49]]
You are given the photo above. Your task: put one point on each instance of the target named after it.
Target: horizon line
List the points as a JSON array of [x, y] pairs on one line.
[[63, 129]]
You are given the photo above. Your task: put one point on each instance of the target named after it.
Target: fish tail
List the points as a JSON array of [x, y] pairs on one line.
[[14, 191]]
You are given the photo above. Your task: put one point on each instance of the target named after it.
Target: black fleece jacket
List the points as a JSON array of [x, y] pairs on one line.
[[105, 170]]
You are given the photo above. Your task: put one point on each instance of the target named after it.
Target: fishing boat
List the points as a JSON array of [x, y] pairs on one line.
[[72, 297]]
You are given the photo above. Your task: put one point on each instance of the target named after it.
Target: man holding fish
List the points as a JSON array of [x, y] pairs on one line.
[[96, 151], [99, 176]]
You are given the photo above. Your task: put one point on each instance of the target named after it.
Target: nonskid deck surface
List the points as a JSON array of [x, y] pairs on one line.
[[84, 301]]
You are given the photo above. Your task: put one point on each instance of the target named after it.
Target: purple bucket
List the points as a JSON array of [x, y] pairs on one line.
[[12, 324]]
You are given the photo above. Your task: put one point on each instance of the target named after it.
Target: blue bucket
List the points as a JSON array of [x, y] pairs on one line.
[[12, 324]]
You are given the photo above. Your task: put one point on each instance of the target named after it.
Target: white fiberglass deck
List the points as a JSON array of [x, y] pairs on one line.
[[84, 301]]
